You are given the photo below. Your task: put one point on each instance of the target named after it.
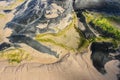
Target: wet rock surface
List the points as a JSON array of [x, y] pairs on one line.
[[101, 55]]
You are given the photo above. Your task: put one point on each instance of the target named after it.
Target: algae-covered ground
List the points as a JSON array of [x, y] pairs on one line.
[[15, 55], [69, 38], [107, 26]]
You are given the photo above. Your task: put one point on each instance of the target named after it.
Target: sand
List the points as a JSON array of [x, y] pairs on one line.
[[46, 67], [70, 67], [4, 19]]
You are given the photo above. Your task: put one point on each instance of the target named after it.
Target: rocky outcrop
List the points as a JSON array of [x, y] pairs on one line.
[[101, 55], [33, 13]]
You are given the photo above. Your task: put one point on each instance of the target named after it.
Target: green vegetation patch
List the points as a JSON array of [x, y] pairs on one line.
[[104, 23], [114, 18], [14, 55], [1, 15]]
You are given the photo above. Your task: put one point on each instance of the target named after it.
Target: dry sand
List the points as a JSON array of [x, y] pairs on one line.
[[4, 19], [70, 67]]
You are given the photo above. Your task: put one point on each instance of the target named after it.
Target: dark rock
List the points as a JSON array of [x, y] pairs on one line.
[[101, 55], [7, 11], [4, 46]]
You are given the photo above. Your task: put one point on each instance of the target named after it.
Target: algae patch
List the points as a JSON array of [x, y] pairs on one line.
[[105, 26], [15, 55], [68, 38]]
